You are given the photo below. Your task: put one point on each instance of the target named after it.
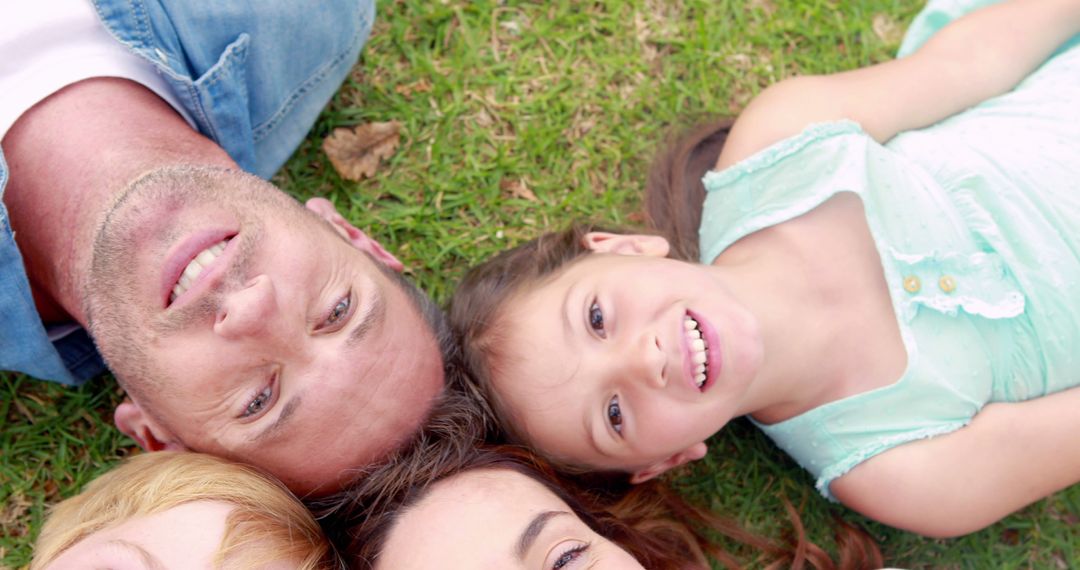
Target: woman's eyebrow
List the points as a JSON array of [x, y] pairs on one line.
[[536, 526]]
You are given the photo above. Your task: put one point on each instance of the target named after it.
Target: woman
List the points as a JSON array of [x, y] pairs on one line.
[[505, 508]]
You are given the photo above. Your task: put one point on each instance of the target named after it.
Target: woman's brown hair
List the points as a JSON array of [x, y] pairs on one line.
[[651, 522]]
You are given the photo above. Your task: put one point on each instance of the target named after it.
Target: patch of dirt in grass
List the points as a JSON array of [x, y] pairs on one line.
[[12, 521], [887, 29]]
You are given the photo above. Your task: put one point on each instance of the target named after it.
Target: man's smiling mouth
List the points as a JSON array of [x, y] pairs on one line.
[[195, 268], [698, 351]]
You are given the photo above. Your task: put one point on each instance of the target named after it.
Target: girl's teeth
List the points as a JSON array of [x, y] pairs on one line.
[[698, 356]]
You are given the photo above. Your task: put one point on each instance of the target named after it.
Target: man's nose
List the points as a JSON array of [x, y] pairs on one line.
[[248, 310], [645, 360]]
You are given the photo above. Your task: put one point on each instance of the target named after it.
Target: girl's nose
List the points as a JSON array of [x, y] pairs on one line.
[[646, 361]]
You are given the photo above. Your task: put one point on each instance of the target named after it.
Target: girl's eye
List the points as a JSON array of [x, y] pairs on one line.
[[596, 319], [569, 556], [614, 414], [338, 312], [259, 403]]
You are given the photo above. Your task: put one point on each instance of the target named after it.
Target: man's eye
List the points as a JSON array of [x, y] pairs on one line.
[[259, 402], [614, 414], [338, 312], [596, 319]]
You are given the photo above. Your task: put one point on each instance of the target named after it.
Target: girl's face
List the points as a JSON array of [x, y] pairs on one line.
[[626, 359], [497, 518]]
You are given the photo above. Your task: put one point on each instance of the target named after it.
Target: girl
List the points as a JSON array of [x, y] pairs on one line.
[[901, 318]]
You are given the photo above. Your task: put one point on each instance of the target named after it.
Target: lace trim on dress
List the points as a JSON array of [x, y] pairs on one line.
[[849, 462]]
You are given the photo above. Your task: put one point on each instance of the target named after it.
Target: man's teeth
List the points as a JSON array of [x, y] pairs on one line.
[[698, 354], [195, 268]]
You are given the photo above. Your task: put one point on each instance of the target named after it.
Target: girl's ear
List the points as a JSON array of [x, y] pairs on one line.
[[626, 244], [692, 453]]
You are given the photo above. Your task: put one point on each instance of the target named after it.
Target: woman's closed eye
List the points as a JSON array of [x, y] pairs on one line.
[[596, 320], [614, 414], [568, 557]]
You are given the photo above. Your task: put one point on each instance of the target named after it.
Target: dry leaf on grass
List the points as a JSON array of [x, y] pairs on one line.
[[419, 86], [356, 152], [887, 29], [518, 189]]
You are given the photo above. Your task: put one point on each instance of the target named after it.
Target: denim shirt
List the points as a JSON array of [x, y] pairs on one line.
[[253, 79]]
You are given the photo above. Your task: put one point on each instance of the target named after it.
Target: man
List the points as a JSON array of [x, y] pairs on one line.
[[239, 322]]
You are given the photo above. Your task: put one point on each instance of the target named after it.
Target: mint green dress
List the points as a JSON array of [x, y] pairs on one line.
[[977, 223]]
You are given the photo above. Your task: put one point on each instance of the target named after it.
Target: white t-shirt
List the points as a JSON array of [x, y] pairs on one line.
[[46, 45]]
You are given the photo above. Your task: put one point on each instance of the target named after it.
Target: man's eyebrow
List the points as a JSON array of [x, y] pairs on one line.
[[286, 412], [528, 537], [148, 559], [373, 319]]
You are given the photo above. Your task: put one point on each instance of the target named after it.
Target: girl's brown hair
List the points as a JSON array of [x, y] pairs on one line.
[[674, 192]]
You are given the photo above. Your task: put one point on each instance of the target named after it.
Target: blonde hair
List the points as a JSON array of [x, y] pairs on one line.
[[264, 514]]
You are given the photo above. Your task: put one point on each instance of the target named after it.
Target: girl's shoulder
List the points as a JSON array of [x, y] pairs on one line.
[[782, 181]]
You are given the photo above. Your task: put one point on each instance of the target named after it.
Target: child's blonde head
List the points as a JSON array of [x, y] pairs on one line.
[[267, 522]]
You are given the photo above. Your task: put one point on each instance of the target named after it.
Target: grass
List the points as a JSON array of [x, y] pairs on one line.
[[569, 99]]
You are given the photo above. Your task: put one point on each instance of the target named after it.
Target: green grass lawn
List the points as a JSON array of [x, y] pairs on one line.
[[567, 99]]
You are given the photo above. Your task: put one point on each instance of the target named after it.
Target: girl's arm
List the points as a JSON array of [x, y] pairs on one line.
[[1011, 454], [977, 57]]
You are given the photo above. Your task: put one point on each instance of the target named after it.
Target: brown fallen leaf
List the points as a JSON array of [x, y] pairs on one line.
[[355, 152], [518, 189], [419, 86], [887, 29]]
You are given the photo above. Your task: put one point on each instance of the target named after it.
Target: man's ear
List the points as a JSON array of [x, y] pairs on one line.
[[627, 244], [131, 419], [692, 453], [325, 209]]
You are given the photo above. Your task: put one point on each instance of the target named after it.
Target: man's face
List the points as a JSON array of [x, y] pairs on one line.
[[245, 326]]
